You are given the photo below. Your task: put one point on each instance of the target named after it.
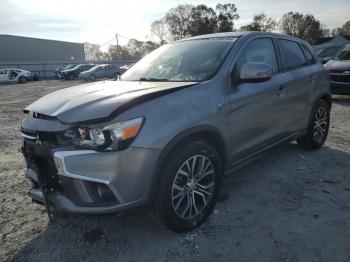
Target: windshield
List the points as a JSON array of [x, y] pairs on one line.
[[191, 60], [343, 55]]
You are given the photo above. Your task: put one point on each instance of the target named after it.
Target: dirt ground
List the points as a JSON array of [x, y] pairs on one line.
[[290, 205]]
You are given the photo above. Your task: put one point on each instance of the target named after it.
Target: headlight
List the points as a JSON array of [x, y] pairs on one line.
[[113, 136]]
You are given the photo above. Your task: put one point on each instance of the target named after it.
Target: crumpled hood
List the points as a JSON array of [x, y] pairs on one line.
[[100, 100], [337, 65]]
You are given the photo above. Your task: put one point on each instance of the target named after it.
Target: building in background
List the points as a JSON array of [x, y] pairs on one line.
[[27, 49], [40, 56]]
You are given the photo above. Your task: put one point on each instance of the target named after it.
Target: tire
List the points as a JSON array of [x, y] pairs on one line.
[[22, 79], [92, 78], [174, 203], [116, 76], [70, 77], [318, 127]]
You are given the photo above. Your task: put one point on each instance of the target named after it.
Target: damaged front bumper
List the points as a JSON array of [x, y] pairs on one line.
[[87, 181]]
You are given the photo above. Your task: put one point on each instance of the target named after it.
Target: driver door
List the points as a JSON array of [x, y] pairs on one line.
[[256, 108]]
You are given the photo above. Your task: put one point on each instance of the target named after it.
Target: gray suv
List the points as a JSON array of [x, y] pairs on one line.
[[174, 124]]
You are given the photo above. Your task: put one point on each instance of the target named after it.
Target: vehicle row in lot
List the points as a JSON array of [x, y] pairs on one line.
[[176, 122], [16, 75], [100, 71], [90, 71], [74, 72], [339, 71]]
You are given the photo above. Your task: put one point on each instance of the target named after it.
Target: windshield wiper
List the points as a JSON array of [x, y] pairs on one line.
[[151, 79]]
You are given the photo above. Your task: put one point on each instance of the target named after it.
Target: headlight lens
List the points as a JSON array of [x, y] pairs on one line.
[[113, 136]]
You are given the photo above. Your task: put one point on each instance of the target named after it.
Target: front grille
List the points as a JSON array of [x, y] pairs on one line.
[[39, 159], [51, 138], [340, 78]]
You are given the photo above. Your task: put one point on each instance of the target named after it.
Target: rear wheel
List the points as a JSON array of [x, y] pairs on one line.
[[189, 186], [22, 79], [317, 130]]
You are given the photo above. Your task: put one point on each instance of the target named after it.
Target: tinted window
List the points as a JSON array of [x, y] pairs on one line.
[[310, 59], [292, 53], [259, 50]]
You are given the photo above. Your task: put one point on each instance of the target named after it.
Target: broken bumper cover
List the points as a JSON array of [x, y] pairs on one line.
[[91, 182]]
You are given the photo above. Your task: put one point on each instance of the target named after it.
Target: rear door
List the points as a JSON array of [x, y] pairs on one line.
[[296, 90], [256, 117]]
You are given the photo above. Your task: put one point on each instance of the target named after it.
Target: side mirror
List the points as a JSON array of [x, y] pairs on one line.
[[255, 72]]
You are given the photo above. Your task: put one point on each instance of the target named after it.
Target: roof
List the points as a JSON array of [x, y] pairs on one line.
[[237, 34]]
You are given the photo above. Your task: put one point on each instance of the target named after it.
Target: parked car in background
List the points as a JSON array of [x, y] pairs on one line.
[[99, 72], [74, 72], [339, 71], [325, 53], [59, 69], [175, 123], [15, 75]]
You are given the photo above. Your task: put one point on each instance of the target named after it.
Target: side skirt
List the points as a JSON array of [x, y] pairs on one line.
[[238, 164]]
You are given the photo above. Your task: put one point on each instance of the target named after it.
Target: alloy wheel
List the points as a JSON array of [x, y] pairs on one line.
[[320, 124], [193, 186]]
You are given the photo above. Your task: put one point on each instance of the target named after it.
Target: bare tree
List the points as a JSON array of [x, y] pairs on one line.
[[343, 30], [159, 29], [92, 52], [306, 26], [261, 23]]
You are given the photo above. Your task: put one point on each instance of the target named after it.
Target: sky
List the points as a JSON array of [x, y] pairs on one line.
[[99, 21]]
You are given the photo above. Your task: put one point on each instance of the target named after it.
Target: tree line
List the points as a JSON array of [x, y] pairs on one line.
[[187, 20]]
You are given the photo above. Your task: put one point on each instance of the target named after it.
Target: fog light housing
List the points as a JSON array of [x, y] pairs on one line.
[[99, 192]]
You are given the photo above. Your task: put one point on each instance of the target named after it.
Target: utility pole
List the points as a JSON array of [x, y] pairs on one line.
[[116, 36]]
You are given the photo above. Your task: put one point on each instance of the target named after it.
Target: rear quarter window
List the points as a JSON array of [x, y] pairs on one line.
[[309, 57], [292, 54]]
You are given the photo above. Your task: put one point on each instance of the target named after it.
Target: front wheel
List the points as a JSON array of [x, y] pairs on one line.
[[22, 79], [317, 130], [189, 186], [92, 78]]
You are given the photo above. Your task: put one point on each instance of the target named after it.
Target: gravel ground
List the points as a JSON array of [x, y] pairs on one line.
[[290, 205]]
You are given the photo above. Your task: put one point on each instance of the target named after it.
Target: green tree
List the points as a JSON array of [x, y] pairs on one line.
[[261, 23], [117, 52], [177, 20], [226, 15], [306, 26], [203, 21]]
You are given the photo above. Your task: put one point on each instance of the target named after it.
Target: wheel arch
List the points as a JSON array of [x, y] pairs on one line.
[[207, 133]]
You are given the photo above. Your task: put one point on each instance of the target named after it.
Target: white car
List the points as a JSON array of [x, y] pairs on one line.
[[15, 75]]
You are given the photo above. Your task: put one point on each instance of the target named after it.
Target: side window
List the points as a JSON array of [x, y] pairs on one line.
[[329, 51], [259, 50], [292, 54], [309, 57]]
